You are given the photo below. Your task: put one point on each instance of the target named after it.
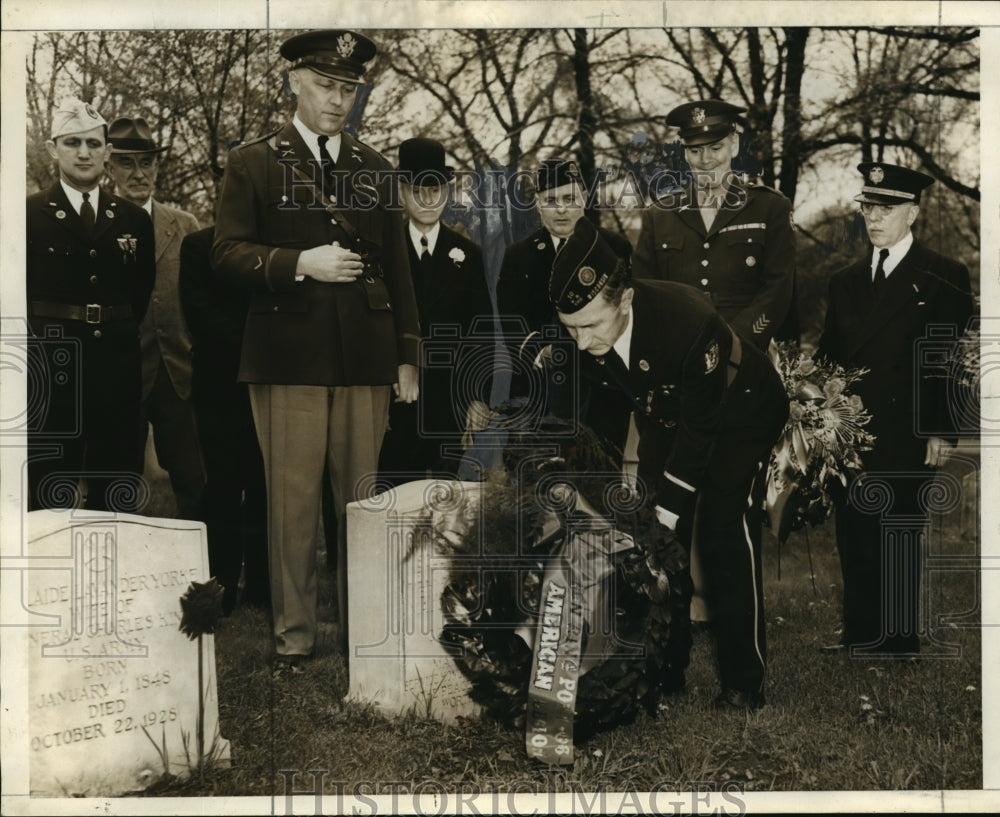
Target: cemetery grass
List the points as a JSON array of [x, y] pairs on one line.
[[830, 723]]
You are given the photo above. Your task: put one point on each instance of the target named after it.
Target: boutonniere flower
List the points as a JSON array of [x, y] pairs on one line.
[[457, 254]]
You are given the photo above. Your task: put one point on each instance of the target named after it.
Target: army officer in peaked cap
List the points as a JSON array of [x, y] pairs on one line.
[[332, 331], [90, 270], [879, 309], [708, 409], [729, 238]]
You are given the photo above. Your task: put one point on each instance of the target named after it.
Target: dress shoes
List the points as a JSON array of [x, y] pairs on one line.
[[284, 665], [738, 699]]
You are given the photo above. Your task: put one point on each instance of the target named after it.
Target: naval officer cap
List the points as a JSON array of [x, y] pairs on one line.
[[582, 268], [334, 53], [556, 173], [704, 122], [75, 116], [891, 184]]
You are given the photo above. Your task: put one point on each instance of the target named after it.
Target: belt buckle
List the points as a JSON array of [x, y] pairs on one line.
[[93, 313]]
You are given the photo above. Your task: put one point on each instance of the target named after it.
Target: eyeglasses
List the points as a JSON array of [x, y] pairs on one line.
[[880, 210]]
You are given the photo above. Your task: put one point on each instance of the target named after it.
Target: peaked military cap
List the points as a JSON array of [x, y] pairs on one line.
[[704, 122], [891, 184], [583, 265], [334, 53], [132, 136], [75, 116], [422, 160], [556, 173]]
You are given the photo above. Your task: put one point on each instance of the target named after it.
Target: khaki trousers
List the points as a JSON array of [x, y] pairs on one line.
[[300, 428]]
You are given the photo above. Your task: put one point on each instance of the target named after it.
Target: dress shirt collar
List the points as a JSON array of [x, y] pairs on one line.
[[76, 197], [625, 341], [896, 253], [432, 237], [312, 140], [555, 241]]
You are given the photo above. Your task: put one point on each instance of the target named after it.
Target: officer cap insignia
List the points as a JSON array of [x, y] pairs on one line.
[[876, 175], [587, 276], [346, 43], [698, 115], [91, 111], [711, 357]]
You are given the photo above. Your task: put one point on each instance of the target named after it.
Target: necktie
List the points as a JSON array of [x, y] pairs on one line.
[[326, 162], [425, 250], [879, 278], [87, 214]]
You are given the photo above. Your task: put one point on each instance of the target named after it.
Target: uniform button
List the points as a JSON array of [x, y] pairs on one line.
[[706, 245], [704, 262], [93, 279], [671, 424], [97, 334], [52, 249], [93, 253], [704, 282], [664, 246], [275, 309]]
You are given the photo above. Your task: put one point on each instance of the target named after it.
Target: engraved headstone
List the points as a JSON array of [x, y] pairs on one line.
[[113, 683], [394, 608]]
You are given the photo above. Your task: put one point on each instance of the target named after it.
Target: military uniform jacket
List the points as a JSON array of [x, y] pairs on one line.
[[523, 284], [451, 294], [309, 332], [745, 263], [678, 385], [113, 267], [164, 333], [885, 333]]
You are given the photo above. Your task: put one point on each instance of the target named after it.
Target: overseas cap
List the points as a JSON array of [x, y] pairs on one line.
[[423, 162], [75, 116], [704, 122], [582, 267], [891, 184], [334, 53], [132, 136], [556, 173]]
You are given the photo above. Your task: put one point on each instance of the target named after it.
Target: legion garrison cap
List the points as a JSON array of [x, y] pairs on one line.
[[556, 173], [132, 136], [75, 116], [891, 184], [422, 160], [704, 122], [582, 268], [334, 53]]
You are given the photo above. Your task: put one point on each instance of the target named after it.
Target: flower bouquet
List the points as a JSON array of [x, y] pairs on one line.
[[554, 612], [821, 443]]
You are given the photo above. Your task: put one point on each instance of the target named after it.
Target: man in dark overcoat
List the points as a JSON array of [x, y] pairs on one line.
[[235, 498], [453, 298], [307, 219], [729, 238], [879, 310], [90, 270], [708, 409]]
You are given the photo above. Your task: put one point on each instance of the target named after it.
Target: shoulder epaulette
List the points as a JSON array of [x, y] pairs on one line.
[[258, 140]]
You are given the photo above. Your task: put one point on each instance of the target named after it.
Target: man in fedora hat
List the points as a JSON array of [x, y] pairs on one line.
[[878, 310], [165, 340], [728, 238], [452, 293], [332, 330], [708, 409], [89, 273]]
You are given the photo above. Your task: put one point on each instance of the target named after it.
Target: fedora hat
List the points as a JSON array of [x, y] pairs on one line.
[[128, 135]]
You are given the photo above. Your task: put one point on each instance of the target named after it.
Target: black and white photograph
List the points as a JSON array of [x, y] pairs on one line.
[[511, 407]]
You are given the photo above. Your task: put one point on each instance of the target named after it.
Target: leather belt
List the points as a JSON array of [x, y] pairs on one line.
[[735, 358], [91, 313]]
